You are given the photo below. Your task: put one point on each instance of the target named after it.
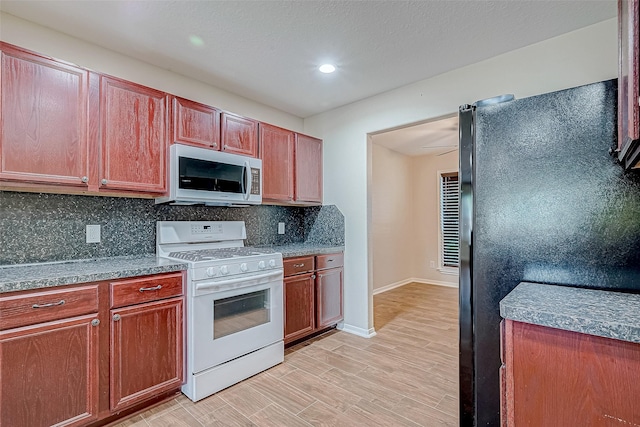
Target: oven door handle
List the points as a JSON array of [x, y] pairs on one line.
[[247, 180], [228, 284]]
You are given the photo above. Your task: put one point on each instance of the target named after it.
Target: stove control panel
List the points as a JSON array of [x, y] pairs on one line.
[[211, 229], [230, 268]]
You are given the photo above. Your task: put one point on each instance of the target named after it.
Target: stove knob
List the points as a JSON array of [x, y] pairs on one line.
[[272, 263], [243, 267], [261, 265], [224, 270], [211, 271]]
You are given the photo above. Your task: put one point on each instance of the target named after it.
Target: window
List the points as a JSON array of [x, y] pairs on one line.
[[449, 198]]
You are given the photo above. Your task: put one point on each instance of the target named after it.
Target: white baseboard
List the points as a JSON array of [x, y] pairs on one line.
[[414, 280], [361, 332]]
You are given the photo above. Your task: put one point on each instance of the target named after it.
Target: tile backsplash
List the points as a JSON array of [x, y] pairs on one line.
[[37, 227]]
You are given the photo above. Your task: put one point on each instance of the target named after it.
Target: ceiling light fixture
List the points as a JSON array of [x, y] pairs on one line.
[[327, 68]]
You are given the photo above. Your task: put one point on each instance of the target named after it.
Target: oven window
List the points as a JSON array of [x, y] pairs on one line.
[[196, 174], [235, 314]]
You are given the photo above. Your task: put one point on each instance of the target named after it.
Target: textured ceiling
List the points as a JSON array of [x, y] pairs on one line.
[[431, 138], [269, 51]]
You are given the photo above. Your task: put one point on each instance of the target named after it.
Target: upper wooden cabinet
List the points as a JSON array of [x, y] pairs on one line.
[[44, 119], [308, 175], [195, 124], [239, 135], [133, 120], [276, 152], [629, 83]]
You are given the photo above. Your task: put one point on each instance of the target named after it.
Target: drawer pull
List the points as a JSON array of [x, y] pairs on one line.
[[155, 288], [51, 304], [298, 265], [330, 260]]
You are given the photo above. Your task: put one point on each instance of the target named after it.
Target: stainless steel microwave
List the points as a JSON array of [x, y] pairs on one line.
[[215, 178]]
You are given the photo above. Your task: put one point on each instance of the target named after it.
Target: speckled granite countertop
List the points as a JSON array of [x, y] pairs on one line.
[[43, 275], [303, 249], [603, 313]]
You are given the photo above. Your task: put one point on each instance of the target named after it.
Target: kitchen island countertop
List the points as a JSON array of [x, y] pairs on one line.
[[304, 249], [43, 275], [602, 313]]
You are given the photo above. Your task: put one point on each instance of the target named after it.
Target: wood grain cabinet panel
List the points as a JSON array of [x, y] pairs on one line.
[[328, 297], [195, 124], [308, 175], [134, 136], [239, 135], [49, 374], [299, 306], [276, 152], [44, 118], [146, 351], [562, 378]]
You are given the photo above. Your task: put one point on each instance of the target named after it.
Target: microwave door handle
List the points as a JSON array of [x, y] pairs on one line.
[[247, 181]]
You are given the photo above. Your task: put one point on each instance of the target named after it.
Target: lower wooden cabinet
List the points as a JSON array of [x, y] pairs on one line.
[[551, 377], [313, 294], [49, 373], [64, 363], [146, 351]]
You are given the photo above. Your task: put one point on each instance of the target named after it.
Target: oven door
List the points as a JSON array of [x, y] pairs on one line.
[[233, 317]]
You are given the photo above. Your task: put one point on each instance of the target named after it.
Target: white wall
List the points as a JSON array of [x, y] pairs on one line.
[[426, 204], [61, 46], [583, 56], [392, 216]]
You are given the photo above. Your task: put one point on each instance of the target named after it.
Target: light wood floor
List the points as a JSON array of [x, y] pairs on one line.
[[407, 375]]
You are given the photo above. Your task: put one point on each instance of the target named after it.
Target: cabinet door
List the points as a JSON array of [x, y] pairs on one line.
[[328, 297], [298, 306], [276, 152], [44, 107], [49, 374], [239, 135], [195, 124], [134, 136], [146, 351], [308, 177]]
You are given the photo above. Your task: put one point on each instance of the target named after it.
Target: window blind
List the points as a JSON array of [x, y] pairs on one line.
[[449, 198]]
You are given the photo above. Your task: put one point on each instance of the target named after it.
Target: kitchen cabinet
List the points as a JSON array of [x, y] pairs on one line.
[[87, 354], [299, 298], [313, 288], [146, 338], [276, 152], [134, 128], [553, 377], [629, 83], [44, 120], [239, 135], [49, 348], [195, 124], [308, 175], [291, 166]]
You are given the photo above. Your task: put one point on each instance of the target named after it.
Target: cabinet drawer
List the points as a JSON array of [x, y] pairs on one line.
[[297, 265], [329, 261], [44, 306], [145, 289]]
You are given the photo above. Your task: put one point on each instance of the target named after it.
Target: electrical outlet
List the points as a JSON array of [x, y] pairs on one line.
[[432, 264], [281, 228], [93, 234]]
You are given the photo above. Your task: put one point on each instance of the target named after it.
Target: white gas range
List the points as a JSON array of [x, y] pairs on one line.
[[234, 305]]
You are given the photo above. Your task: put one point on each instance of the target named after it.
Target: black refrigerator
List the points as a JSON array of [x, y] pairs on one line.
[[541, 200]]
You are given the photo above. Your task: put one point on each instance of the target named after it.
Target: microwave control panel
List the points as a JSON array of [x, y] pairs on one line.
[[255, 181]]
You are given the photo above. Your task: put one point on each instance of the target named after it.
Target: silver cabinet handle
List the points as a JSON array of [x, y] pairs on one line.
[[330, 260], [104, 181], [95, 322], [298, 265], [116, 317], [155, 288], [51, 304], [313, 276], [85, 179]]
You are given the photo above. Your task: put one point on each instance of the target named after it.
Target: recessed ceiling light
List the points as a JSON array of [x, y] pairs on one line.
[[327, 68], [196, 41]]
